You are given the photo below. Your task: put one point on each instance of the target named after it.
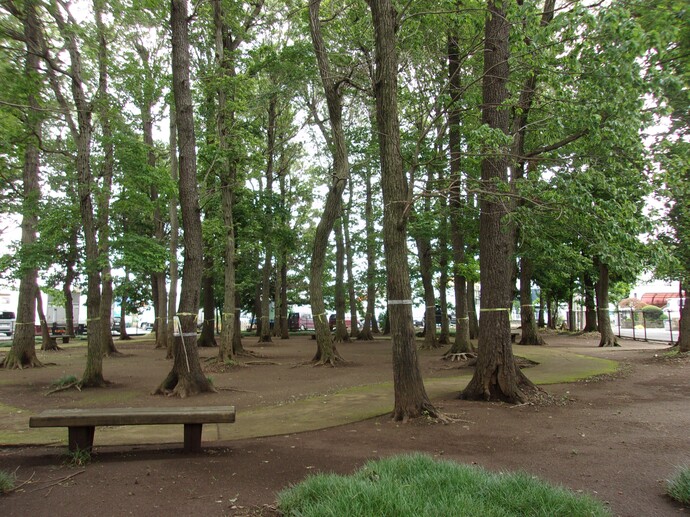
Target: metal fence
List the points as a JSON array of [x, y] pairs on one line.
[[638, 325]]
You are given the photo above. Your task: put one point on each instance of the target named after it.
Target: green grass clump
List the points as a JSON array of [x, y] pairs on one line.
[[678, 486], [64, 381], [417, 485], [6, 482], [78, 458]]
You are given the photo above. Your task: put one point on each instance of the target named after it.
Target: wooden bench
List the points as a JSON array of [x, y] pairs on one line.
[[81, 423]]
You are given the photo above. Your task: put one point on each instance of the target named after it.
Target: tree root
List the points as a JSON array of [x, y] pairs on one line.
[[76, 384], [461, 356], [12, 362]]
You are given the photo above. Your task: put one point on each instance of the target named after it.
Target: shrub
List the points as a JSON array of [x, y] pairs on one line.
[[6, 482], [678, 487]]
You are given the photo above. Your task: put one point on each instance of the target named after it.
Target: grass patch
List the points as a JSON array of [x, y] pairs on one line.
[[78, 458], [417, 485], [6, 482], [65, 380], [678, 487]]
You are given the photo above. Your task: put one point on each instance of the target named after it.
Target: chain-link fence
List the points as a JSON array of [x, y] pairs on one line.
[[647, 324]]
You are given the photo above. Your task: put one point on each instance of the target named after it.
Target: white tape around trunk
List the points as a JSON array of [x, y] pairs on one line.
[[399, 302]]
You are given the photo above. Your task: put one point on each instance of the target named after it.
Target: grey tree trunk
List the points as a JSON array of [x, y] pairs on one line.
[[366, 334], [608, 338], [186, 377], [352, 296], [326, 351], [341, 333], [590, 304], [267, 269], [411, 399], [462, 343], [472, 311], [684, 324], [174, 238], [496, 375], [23, 351], [106, 174], [530, 332]]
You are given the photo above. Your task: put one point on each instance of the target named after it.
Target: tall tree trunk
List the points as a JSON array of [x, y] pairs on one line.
[[684, 324], [370, 316], [186, 377], [23, 351], [340, 327], [472, 311], [590, 304], [123, 311], [267, 269], [160, 296], [47, 342], [608, 338], [444, 336], [541, 323], [326, 352], [174, 239], [352, 296], [530, 333], [426, 265], [462, 343], [496, 376], [207, 338], [106, 174], [411, 399]]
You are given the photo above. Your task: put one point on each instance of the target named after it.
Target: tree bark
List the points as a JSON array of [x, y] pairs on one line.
[[267, 269], [462, 343], [160, 297], [684, 324], [106, 174], [186, 377], [326, 351], [530, 333], [352, 296], [23, 351], [174, 238], [411, 399], [341, 333], [207, 338], [370, 316], [472, 311], [590, 304], [608, 338], [496, 376]]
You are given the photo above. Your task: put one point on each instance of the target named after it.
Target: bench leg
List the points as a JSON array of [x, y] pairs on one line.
[[80, 438], [192, 437]]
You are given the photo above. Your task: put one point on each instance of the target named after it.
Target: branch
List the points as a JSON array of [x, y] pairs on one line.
[[557, 145]]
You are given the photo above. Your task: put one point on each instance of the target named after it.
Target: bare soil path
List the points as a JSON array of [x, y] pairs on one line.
[[617, 436]]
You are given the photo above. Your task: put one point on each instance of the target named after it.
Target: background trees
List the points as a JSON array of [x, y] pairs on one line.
[[513, 147]]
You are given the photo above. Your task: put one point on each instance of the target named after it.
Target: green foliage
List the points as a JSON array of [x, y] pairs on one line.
[[78, 457], [7, 482], [418, 485], [678, 487], [653, 313]]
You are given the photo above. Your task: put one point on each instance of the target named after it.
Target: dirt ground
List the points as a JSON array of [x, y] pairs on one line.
[[617, 437]]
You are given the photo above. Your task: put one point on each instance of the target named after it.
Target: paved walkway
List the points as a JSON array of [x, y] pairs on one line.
[[343, 407]]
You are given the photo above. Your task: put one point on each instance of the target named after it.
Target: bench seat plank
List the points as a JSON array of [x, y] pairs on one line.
[[81, 423], [133, 416]]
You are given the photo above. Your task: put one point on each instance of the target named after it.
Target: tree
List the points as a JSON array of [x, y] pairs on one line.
[[23, 351], [411, 400], [326, 352], [496, 375], [186, 377]]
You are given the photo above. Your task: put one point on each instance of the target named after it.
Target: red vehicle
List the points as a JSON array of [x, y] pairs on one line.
[[300, 321]]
